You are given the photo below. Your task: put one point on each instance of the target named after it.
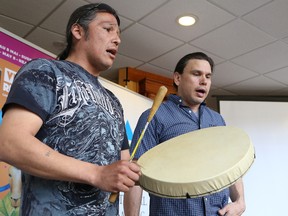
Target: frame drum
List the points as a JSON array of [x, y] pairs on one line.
[[197, 163]]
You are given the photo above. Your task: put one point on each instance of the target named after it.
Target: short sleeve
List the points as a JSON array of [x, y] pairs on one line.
[[34, 88]]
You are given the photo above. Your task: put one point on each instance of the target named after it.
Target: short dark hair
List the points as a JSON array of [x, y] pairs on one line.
[[184, 60], [83, 16]]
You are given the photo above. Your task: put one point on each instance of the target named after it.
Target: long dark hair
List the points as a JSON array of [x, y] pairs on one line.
[[184, 60], [83, 16]]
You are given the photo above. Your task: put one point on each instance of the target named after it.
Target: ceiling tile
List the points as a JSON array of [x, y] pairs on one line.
[[156, 70], [271, 18], [233, 39], [46, 39], [265, 59], [124, 23], [33, 12], [256, 86], [145, 46], [124, 61], [111, 74], [219, 91], [285, 40], [239, 7], [14, 26], [164, 19], [120, 62], [281, 92], [228, 73], [280, 75], [133, 9], [169, 60], [58, 20]]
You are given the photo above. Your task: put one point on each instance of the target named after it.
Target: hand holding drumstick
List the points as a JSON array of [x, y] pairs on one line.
[[157, 101]]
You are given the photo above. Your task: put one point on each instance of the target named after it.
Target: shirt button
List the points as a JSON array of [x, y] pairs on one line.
[[205, 199], [190, 111]]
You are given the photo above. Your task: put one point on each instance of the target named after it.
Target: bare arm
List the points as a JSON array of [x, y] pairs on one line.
[[237, 207], [237, 196], [20, 148], [237, 193], [132, 201], [125, 155]]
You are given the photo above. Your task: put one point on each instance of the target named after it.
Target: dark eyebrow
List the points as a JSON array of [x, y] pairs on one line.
[[111, 24], [199, 71], [196, 71]]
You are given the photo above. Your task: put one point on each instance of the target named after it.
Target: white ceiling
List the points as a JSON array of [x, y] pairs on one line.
[[247, 39]]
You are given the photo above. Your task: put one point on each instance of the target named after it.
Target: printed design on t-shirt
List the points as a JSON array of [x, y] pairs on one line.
[[87, 124], [74, 95]]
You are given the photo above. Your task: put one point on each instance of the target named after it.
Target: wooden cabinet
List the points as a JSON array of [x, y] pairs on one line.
[[143, 82]]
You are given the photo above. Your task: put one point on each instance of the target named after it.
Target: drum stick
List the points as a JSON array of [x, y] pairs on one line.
[[156, 103]]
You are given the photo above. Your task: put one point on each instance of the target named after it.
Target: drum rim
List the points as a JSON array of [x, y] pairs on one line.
[[202, 188]]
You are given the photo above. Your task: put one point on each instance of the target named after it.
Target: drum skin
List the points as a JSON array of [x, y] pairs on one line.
[[197, 163]]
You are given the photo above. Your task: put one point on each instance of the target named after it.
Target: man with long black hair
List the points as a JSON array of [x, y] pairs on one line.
[[64, 130]]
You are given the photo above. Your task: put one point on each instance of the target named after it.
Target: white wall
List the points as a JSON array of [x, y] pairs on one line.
[[267, 125], [133, 104]]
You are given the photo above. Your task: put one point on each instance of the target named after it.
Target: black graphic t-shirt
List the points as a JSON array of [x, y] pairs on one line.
[[81, 119]]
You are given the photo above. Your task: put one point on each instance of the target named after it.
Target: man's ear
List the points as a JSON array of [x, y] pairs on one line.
[[77, 31], [176, 77]]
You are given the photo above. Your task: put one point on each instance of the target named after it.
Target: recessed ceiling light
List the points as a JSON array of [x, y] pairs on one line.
[[187, 20]]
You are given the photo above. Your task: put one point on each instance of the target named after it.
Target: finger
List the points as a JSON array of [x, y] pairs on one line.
[[125, 186], [222, 212], [135, 167], [135, 175]]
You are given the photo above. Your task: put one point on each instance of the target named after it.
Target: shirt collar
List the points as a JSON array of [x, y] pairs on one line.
[[178, 100]]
